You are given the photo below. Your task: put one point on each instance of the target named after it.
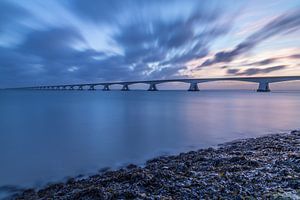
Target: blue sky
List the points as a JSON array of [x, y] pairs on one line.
[[71, 41]]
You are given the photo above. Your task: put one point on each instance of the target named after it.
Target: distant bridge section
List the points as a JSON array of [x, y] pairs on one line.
[[263, 83]]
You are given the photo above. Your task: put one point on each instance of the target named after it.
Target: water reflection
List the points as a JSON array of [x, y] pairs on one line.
[[48, 135]]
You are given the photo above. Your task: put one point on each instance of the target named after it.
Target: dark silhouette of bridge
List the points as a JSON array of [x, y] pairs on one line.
[[263, 83]]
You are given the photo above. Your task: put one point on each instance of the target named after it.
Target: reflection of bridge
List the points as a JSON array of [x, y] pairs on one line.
[[262, 81]]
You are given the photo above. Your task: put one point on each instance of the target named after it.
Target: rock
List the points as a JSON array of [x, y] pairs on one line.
[[294, 184], [237, 159], [89, 193], [131, 166]]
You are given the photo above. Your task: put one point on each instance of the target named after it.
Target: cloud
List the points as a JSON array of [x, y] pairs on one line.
[[284, 24], [10, 14], [53, 43], [272, 60], [47, 56], [255, 71], [115, 11], [295, 56], [161, 45], [263, 62], [154, 40], [155, 48], [266, 61], [101, 11], [150, 46], [232, 71]]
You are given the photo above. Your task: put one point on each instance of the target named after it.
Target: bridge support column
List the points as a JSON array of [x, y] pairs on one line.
[[71, 88], [92, 87], [58, 88], [125, 88], [193, 87], [64, 87], [106, 88], [152, 87], [263, 87], [80, 87]]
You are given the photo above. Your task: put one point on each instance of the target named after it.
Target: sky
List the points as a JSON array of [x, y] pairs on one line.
[[77, 41]]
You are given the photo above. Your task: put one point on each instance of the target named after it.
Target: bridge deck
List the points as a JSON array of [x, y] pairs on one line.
[[261, 80]]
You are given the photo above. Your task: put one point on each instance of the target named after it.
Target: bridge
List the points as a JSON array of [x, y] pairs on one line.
[[263, 83]]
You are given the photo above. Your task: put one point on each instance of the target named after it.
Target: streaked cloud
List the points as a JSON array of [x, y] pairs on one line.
[[76, 41], [284, 24], [255, 71]]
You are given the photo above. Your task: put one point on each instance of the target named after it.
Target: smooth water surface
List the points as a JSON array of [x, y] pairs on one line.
[[50, 135]]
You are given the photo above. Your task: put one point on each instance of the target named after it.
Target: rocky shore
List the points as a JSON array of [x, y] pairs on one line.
[[267, 167]]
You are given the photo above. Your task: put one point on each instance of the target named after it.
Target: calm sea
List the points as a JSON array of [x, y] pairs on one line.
[[46, 136]]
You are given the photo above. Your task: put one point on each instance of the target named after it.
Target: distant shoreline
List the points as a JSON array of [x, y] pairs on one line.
[[263, 167]]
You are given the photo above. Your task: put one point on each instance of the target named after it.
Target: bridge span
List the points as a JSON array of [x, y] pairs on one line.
[[263, 83]]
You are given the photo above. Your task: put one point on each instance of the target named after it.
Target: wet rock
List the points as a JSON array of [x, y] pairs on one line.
[[237, 159], [294, 184], [131, 166], [89, 193], [71, 181]]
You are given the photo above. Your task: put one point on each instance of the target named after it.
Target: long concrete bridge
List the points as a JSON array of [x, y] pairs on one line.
[[263, 83]]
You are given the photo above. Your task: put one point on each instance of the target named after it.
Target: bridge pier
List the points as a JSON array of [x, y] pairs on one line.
[[193, 87], [263, 87], [125, 88], [92, 87], [64, 87], [106, 88], [71, 87], [57, 87], [152, 87], [80, 87]]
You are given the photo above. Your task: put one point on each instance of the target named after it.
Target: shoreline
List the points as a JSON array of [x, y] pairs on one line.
[[263, 167]]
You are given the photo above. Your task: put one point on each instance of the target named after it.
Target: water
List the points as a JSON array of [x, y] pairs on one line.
[[46, 136]]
